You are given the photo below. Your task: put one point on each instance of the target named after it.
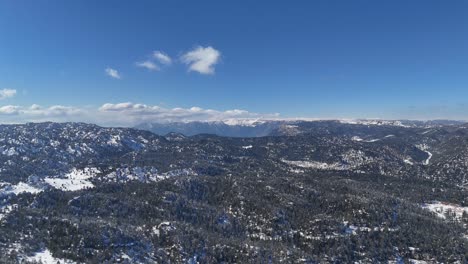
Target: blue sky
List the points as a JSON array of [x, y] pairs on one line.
[[316, 59]]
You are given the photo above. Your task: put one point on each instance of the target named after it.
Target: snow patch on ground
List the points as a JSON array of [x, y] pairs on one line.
[[440, 209], [5, 210], [314, 165], [144, 174], [425, 148], [427, 131], [248, 122], [247, 147], [10, 152], [46, 257], [114, 140], [296, 170], [426, 162], [68, 184], [355, 158], [155, 231], [358, 139], [76, 179], [350, 160], [373, 122], [415, 261], [21, 187]]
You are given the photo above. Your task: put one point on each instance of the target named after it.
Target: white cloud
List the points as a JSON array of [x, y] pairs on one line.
[[201, 60], [138, 113], [119, 114], [113, 73], [7, 93], [55, 110], [148, 65], [13, 114], [39, 111], [35, 107], [162, 57], [9, 110], [117, 107]]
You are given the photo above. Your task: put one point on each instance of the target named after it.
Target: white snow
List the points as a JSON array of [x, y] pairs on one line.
[[21, 187], [408, 161], [166, 226], [74, 180], [296, 170], [247, 147], [426, 162], [155, 231], [69, 184], [54, 143], [5, 210], [373, 122], [46, 257], [10, 152], [314, 164], [415, 261], [165, 223], [125, 256], [425, 148], [249, 122], [350, 160], [145, 174], [358, 139], [440, 208], [114, 140]]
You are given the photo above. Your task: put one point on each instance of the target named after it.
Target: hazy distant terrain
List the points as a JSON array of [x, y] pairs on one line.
[[261, 128], [249, 129]]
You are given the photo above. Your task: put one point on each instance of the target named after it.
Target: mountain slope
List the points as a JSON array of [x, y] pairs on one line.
[[330, 192], [229, 129]]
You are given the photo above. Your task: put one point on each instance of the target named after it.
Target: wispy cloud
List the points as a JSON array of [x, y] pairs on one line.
[[149, 65], [7, 93], [202, 60], [157, 59], [9, 110], [36, 113], [162, 57], [137, 113], [113, 73]]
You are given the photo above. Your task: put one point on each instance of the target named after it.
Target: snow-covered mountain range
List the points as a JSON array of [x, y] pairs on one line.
[[265, 127], [80, 193]]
